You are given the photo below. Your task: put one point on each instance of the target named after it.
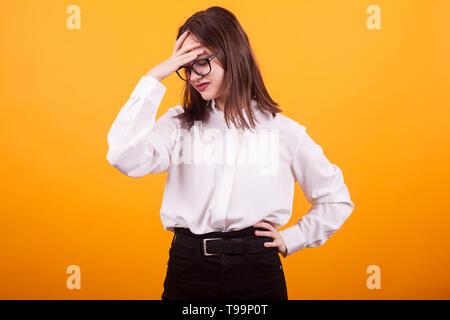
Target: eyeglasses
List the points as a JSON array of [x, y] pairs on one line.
[[201, 67]]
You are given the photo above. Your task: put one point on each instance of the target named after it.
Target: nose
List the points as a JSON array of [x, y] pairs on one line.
[[195, 77]]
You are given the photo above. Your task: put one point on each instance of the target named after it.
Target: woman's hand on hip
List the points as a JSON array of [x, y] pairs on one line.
[[278, 241]]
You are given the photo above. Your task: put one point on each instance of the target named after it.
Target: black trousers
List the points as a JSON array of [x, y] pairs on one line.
[[250, 276]]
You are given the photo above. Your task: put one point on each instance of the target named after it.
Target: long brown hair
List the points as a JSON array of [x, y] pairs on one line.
[[219, 30]]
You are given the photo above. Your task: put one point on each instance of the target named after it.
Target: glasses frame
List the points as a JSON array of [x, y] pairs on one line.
[[191, 67]]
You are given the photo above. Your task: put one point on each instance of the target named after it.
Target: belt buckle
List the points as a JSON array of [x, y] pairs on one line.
[[204, 247]]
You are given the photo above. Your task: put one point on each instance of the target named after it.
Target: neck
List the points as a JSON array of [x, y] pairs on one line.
[[218, 104]]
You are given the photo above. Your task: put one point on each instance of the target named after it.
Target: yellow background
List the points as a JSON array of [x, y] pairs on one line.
[[377, 101]]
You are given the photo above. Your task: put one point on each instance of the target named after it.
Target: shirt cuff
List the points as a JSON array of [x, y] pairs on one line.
[[149, 85], [293, 238]]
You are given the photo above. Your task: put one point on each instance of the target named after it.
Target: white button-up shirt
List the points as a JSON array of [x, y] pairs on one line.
[[225, 179]]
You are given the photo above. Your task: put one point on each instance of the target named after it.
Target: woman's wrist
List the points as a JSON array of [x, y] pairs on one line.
[[152, 74]]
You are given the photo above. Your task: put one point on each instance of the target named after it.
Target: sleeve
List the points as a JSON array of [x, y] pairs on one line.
[[323, 185], [137, 144]]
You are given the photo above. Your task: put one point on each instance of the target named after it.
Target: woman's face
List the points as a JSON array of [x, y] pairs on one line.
[[215, 77]]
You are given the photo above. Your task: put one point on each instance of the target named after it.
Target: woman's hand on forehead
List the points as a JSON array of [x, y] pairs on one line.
[[191, 40]]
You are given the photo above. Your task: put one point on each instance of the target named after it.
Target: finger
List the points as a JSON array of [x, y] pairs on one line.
[[180, 40], [271, 244], [264, 233], [190, 56], [265, 225], [189, 47], [260, 223], [270, 223]]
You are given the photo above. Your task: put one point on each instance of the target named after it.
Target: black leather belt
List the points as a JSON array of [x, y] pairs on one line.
[[222, 246]]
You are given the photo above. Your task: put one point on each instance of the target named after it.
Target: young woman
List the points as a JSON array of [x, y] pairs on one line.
[[232, 160]]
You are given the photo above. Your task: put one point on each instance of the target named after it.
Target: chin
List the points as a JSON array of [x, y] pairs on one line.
[[206, 95]]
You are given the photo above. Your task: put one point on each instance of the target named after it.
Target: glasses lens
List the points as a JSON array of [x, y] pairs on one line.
[[202, 67]]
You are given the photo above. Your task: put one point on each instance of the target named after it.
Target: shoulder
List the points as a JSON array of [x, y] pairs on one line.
[[290, 131], [178, 109], [170, 117], [290, 128]]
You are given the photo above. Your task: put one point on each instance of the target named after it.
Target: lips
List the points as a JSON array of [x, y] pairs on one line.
[[202, 86]]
